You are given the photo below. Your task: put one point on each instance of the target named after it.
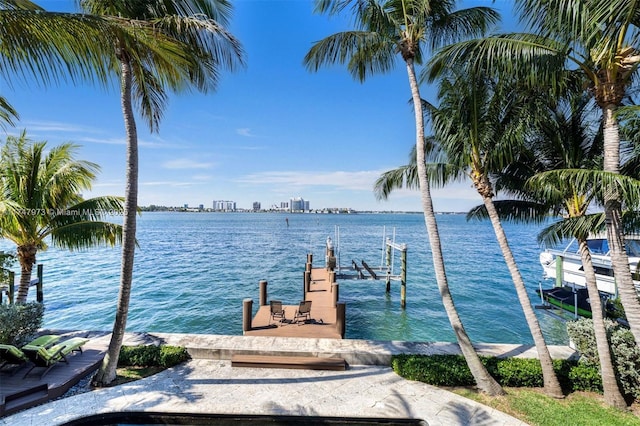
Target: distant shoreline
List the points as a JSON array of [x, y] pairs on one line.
[[318, 211]]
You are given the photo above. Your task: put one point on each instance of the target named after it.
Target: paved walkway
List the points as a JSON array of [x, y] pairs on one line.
[[208, 383], [213, 386]]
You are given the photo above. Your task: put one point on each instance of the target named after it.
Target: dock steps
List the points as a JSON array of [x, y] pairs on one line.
[[296, 362], [32, 396]]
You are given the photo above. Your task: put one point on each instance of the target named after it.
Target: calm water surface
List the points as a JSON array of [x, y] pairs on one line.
[[193, 270]]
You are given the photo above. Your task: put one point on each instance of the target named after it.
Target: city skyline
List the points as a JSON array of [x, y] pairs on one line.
[[269, 130]]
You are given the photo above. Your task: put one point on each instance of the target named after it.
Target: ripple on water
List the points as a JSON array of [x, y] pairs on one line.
[[192, 272]]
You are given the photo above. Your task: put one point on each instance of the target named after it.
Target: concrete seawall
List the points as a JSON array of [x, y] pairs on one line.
[[354, 351]]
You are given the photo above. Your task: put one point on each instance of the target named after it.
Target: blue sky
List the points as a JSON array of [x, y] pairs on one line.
[[270, 132]]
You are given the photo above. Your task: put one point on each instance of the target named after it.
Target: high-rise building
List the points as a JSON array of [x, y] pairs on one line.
[[224, 206], [256, 206], [298, 205]]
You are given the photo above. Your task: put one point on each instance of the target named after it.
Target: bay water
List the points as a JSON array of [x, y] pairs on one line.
[[192, 271]]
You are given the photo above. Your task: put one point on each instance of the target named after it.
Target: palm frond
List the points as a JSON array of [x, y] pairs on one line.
[[574, 227], [48, 47], [7, 113], [513, 211], [364, 52], [588, 181], [454, 26], [18, 5], [502, 55], [84, 235], [402, 177]]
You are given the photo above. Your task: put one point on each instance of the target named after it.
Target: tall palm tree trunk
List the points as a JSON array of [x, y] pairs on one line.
[[612, 394], [107, 372], [551, 383], [483, 379], [612, 210], [27, 258]]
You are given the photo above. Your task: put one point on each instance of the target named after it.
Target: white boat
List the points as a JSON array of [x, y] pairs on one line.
[[565, 266]]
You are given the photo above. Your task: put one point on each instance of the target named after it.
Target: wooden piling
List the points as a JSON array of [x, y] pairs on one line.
[[263, 292], [12, 286], [335, 289], [307, 283], [559, 271], [247, 308], [341, 318], [403, 277], [388, 280], [39, 293], [310, 258]]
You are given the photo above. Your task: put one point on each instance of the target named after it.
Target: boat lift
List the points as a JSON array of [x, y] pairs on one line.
[[364, 271]]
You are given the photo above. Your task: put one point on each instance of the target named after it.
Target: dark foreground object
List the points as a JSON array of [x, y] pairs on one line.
[[151, 418], [297, 362]]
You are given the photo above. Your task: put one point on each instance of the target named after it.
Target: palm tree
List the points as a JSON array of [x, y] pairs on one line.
[[601, 40], [576, 197], [160, 44], [479, 126], [480, 123], [562, 154], [386, 29], [41, 201]]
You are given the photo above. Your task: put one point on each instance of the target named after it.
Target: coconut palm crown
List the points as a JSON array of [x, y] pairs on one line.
[[41, 203], [41, 48]]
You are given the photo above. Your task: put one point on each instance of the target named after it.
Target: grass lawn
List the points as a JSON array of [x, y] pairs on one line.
[[129, 374], [533, 407]]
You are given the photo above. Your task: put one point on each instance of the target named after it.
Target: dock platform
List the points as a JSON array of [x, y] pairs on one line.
[[323, 314]]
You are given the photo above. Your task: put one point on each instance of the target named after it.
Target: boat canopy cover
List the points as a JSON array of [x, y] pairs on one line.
[[598, 246]]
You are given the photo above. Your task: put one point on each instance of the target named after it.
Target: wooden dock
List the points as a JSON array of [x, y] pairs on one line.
[[18, 392], [323, 322]]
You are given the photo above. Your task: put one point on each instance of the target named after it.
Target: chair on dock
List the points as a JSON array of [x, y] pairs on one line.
[[48, 358], [277, 311], [303, 312]]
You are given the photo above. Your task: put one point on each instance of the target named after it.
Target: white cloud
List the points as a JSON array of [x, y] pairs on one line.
[[359, 181], [54, 126], [168, 183], [183, 163], [202, 178], [245, 131]]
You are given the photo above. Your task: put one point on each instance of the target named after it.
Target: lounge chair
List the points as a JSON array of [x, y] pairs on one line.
[[303, 312], [48, 358], [10, 354], [277, 311]]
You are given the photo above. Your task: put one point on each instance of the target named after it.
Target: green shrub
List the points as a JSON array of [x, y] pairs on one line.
[[7, 260], [582, 335], [437, 370], [140, 356], [152, 356], [584, 377], [625, 352], [172, 355], [20, 322], [452, 370], [626, 356], [518, 372]]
